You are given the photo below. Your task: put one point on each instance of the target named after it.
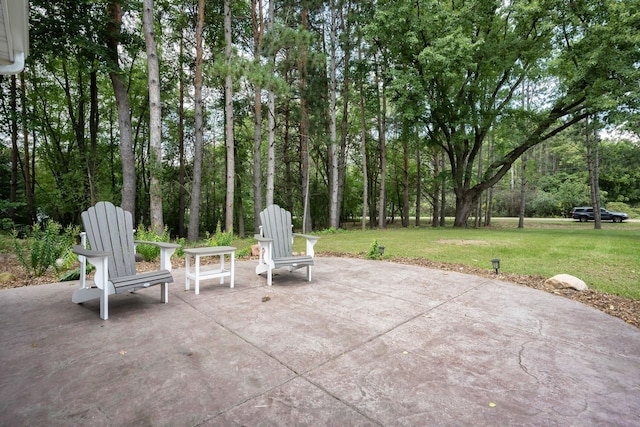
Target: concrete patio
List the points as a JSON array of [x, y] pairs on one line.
[[365, 343]]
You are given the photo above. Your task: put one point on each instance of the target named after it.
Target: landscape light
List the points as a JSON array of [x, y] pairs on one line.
[[496, 264]]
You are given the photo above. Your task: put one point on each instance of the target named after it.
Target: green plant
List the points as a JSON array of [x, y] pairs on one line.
[[374, 250], [45, 247], [150, 252], [183, 243], [220, 238], [246, 252]]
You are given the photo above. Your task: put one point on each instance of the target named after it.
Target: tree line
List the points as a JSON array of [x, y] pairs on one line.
[[191, 114]]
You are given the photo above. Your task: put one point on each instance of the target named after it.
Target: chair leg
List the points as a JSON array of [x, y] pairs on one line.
[[104, 304], [164, 293], [308, 273], [269, 276]]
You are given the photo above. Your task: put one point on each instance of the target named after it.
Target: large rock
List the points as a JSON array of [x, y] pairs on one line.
[[7, 277], [561, 281]]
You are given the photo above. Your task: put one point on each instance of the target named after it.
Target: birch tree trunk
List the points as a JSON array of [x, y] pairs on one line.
[[194, 214], [25, 144], [382, 124], [155, 119], [228, 101], [271, 122], [333, 150], [304, 130]]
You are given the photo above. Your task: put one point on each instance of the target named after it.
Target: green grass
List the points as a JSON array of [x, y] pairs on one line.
[[606, 259]]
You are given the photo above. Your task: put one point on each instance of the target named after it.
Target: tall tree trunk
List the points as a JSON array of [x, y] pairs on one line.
[[333, 147], [257, 21], [25, 144], [228, 109], [124, 111], [194, 214], [593, 160], [443, 191], [155, 120], [304, 130], [363, 147], [271, 121], [478, 216], [435, 196], [13, 190], [181, 167], [239, 204], [405, 183], [418, 181], [523, 191], [94, 121], [344, 129], [382, 127]]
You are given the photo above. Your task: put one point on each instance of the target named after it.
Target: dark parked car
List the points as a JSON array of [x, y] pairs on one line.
[[585, 213]]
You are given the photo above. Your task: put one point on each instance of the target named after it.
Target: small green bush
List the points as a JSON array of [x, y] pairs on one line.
[[183, 244], [150, 252], [44, 246], [374, 251], [220, 238]]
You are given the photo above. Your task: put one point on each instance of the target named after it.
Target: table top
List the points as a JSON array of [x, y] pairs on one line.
[[210, 250]]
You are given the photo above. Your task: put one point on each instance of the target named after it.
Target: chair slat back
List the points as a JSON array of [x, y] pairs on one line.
[[276, 225], [110, 229]]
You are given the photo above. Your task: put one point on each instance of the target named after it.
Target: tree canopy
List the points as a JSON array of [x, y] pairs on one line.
[[333, 109]]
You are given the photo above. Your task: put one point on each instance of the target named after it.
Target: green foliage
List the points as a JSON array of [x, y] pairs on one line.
[[5, 222], [246, 252], [182, 241], [150, 252], [374, 250], [220, 238], [331, 230], [44, 247]]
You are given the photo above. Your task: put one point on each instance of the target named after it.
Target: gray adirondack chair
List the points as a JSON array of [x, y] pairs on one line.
[[275, 244], [109, 231]]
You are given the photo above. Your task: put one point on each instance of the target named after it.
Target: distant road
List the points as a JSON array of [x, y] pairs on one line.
[[510, 218]]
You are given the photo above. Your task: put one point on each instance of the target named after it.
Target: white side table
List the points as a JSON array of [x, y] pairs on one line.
[[221, 272]]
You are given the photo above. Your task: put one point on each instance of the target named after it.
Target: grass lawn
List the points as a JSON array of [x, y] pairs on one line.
[[607, 260]]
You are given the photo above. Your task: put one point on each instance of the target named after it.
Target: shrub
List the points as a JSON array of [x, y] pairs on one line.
[[44, 246], [220, 238], [150, 252], [374, 250]]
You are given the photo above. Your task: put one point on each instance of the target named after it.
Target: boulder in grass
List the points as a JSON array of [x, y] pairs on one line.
[[562, 281], [7, 277]]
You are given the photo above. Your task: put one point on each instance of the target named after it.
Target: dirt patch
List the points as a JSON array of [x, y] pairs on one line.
[[463, 242], [614, 305]]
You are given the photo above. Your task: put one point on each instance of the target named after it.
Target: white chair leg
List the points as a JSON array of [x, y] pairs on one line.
[[164, 293], [104, 304]]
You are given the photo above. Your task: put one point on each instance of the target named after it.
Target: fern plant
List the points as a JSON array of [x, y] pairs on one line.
[[44, 247], [220, 238]]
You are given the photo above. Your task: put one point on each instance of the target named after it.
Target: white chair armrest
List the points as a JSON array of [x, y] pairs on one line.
[[311, 241], [166, 250]]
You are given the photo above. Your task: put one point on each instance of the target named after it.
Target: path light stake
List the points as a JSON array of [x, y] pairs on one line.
[[381, 250], [496, 264]]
